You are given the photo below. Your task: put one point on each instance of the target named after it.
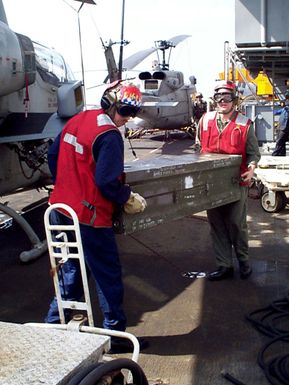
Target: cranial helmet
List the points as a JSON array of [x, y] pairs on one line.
[[199, 95], [227, 84], [119, 94], [130, 95]]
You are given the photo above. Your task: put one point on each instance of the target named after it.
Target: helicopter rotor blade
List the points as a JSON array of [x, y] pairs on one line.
[[178, 39], [133, 60]]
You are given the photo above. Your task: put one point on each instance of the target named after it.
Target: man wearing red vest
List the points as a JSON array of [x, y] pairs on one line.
[[227, 131], [87, 162]]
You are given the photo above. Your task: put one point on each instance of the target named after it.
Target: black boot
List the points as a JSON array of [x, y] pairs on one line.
[[245, 269], [123, 345], [222, 273]]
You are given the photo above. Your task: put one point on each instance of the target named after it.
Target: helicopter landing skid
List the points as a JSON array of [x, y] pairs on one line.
[[39, 247]]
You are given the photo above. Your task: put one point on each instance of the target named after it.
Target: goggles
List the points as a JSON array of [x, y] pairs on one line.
[[127, 111], [225, 97]]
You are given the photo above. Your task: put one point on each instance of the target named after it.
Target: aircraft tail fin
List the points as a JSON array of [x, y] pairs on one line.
[[111, 64], [3, 17]]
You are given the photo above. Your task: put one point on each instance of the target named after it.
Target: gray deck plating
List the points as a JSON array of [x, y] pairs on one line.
[[31, 355]]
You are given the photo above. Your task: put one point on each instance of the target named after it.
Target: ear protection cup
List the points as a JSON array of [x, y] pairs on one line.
[[108, 99], [105, 103]]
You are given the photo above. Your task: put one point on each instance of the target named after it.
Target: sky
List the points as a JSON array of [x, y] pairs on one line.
[[54, 23]]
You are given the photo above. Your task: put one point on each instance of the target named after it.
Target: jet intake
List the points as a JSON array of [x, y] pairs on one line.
[[159, 75], [70, 99], [145, 75], [29, 62], [18, 61]]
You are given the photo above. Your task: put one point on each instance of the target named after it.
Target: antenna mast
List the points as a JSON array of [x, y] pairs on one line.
[[122, 42], [163, 45]]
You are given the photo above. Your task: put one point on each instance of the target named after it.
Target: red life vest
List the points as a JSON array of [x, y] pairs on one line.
[[232, 139], [75, 181]]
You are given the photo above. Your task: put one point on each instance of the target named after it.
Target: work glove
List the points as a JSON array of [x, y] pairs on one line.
[[135, 204]]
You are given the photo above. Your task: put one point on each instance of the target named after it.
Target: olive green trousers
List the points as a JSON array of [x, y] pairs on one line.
[[229, 230]]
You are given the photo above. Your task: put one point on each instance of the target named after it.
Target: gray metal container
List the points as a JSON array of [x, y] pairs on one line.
[[176, 186]]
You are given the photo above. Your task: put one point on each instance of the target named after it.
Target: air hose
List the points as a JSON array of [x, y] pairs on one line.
[[277, 368], [266, 321], [109, 373]]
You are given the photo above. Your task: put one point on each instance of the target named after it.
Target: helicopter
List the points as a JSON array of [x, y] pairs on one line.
[[166, 99], [38, 94]]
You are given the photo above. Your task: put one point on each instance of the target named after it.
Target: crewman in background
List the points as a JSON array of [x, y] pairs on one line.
[[199, 107], [283, 129]]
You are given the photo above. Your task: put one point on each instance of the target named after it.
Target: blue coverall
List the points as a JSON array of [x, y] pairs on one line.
[[283, 136]]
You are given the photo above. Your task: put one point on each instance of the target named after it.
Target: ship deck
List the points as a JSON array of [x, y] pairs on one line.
[[196, 329]]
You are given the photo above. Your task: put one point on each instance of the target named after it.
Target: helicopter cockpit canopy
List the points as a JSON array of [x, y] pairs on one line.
[[51, 65]]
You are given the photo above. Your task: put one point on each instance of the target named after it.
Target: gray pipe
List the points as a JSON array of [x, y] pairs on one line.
[[263, 23], [38, 246]]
